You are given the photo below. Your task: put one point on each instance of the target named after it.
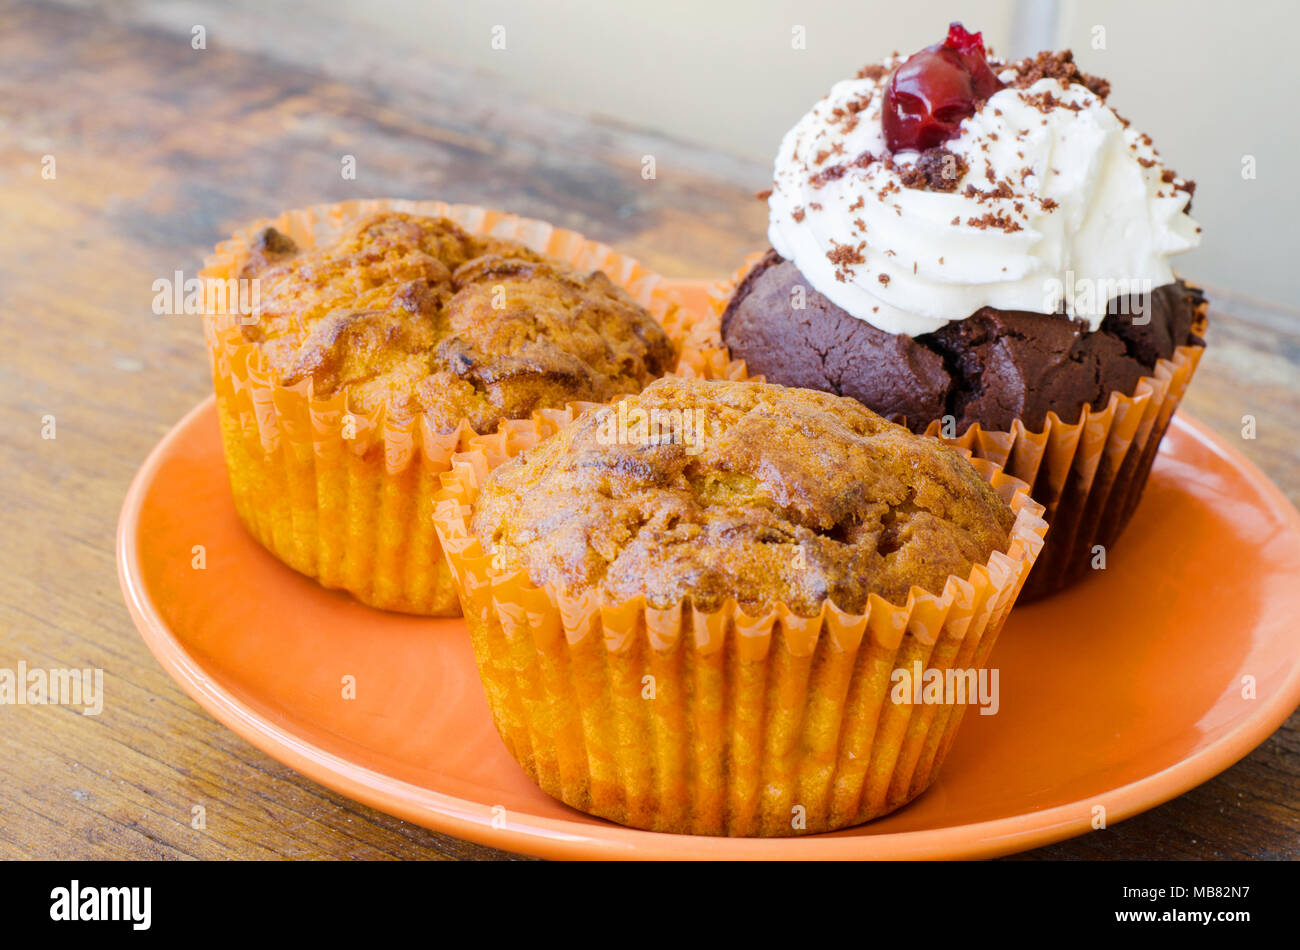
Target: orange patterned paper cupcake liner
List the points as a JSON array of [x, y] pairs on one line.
[[1088, 474], [720, 723], [342, 495]]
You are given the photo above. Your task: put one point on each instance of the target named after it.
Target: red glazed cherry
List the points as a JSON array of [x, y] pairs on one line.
[[933, 90], [971, 48]]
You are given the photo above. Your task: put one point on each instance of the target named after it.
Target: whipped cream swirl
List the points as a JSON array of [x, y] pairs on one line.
[[1046, 202]]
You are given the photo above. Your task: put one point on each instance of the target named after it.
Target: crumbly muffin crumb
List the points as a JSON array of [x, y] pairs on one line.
[[418, 315], [710, 490]]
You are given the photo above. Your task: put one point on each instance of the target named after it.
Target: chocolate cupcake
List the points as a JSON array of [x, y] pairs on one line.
[[990, 369], [979, 249]]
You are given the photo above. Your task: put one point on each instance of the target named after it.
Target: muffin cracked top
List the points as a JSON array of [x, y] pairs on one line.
[[710, 490], [415, 314]]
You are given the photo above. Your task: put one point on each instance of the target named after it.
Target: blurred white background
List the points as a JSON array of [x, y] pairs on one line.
[[1211, 82]]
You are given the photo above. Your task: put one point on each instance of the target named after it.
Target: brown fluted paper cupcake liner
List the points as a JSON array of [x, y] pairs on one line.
[[345, 496], [1088, 474], [718, 723]]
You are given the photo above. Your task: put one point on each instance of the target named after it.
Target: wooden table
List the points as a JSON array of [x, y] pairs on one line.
[[160, 150]]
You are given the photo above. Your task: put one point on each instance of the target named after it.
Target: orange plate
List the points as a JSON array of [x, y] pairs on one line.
[[1123, 692]]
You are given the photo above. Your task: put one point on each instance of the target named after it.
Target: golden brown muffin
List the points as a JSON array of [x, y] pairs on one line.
[[416, 314], [658, 678], [716, 489], [385, 336]]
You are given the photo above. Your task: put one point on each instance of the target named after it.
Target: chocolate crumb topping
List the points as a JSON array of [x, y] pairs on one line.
[[936, 170], [844, 257], [940, 169], [1057, 65], [847, 116], [1046, 103], [991, 219], [829, 173]]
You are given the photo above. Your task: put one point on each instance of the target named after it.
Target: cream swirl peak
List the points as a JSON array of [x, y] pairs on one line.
[[1044, 200]]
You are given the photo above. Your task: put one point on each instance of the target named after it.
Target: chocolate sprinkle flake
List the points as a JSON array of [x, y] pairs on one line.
[[844, 257], [1057, 65], [847, 115], [829, 173], [937, 169], [1046, 103], [1003, 222], [840, 169], [764, 194]]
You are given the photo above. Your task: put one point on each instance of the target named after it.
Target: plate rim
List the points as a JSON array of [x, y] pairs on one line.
[[540, 836]]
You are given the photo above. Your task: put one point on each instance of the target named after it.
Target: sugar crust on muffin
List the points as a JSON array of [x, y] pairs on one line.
[[769, 495], [415, 314]]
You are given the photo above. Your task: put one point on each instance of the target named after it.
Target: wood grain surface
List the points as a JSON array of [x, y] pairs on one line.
[[159, 151]]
